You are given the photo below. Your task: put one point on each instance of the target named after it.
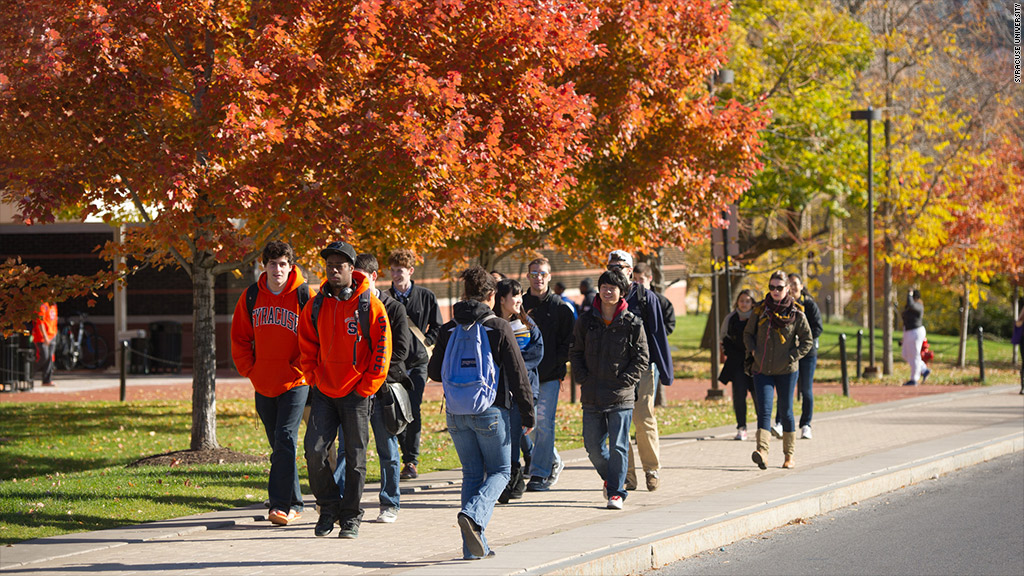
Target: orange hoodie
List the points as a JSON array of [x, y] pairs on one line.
[[326, 351], [44, 329], [265, 348]]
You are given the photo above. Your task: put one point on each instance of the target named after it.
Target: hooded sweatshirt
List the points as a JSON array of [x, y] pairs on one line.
[[326, 350], [265, 346]]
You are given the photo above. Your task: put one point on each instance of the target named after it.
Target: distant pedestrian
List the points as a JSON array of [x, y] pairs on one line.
[[482, 440], [608, 356], [44, 337], [424, 321], [1018, 334], [733, 354], [265, 349], [559, 288], [589, 294], [777, 336], [808, 364], [509, 305], [345, 354], [913, 338]]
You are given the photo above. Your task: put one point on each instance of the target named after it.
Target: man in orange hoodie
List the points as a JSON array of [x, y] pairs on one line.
[[346, 363], [44, 336], [265, 348]]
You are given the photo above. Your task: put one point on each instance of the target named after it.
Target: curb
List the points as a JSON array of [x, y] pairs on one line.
[[690, 539]]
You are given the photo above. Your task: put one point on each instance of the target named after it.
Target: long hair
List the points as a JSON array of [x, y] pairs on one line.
[[510, 287]]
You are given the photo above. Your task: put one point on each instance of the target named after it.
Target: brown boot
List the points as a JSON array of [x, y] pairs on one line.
[[760, 456], [788, 444]]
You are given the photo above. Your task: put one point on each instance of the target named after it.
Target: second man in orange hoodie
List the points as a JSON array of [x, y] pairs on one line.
[[346, 365]]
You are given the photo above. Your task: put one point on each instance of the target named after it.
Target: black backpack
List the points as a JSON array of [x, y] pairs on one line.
[[253, 291]]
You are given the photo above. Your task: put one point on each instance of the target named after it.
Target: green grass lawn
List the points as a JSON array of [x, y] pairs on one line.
[[64, 464]]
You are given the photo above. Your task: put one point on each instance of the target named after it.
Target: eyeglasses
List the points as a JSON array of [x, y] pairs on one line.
[[539, 274], [776, 287]]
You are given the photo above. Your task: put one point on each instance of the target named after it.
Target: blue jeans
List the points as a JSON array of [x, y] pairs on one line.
[[606, 438], [409, 439], [281, 416], [521, 444], [766, 387], [387, 452], [326, 414], [805, 384], [483, 445], [544, 453]]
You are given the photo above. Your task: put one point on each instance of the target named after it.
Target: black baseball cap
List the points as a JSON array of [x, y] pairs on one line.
[[340, 248]]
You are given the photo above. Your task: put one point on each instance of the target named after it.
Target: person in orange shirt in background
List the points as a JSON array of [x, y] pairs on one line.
[[44, 336], [346, 358], [265, 348]]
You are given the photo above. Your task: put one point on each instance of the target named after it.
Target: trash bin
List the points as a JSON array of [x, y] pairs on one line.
[[10, 367], [165, 346], [139, 353]]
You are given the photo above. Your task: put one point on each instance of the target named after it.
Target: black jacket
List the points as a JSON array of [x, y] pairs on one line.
[[400, 337], [513, 383], [668, 312], [425, 314], [813, 314], [607, 360], [555, 320]]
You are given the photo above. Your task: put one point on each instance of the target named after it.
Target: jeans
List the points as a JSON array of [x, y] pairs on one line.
[[606, 438], [281, 416], [740, 387], [409, 439], [520, 443], [544, 453], [352, 414], [805, 384], [387, 452], [766, 387], [483, 445]]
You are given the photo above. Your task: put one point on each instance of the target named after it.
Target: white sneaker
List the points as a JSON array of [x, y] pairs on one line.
[[805, 432], [777, 430], [387, 515], [556, 471], [615, 503], [741, 434]]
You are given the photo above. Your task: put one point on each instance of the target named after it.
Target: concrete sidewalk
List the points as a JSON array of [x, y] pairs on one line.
[[711, 495]]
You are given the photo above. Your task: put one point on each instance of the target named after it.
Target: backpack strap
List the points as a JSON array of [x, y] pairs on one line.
[[641, 296], [303, 294], [318, 301], [251, 293], [363, 312]]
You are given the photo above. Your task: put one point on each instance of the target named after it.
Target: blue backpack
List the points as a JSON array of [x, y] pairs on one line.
[[469, 376]]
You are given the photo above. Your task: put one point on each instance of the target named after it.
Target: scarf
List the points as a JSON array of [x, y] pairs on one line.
[[780, 314]]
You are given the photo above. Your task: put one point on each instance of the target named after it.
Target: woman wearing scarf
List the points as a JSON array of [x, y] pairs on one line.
[[777, 336]]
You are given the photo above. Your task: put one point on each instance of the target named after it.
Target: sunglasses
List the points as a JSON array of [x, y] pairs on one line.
[[776, 287], [540, 274]]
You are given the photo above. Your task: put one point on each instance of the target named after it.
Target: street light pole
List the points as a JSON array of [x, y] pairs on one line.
[[721, 77], [871, 371]]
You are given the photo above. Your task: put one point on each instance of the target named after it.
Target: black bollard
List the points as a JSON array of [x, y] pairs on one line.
[[981, 354], [842, 365], [124, 369]]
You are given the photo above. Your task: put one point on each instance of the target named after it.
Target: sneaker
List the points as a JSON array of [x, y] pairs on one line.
[[325, 525], [555, 472], [741, 434], [652, 480], [388, 515], [805, 432], [349, 530], [615, 503], [409, 472], [282, 518], [538, 484], [517, 490], [910, 383], [924, 375], [471, 536], [777, 430]]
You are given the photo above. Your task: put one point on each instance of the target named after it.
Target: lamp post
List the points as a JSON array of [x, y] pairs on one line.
[[720, 77], [871, 371]]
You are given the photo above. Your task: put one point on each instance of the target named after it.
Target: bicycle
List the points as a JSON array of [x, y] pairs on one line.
[[78, 344]]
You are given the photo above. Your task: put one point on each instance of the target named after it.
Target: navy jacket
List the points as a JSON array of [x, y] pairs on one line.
[[654, 326]]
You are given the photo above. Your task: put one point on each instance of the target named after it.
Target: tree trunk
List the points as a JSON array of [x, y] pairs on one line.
[[204, 374], [965, 309]]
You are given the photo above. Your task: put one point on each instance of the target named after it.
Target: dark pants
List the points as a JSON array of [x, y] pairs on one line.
[[352, 414], [44, 358], [741, 386], [281, 416], [409, 439]]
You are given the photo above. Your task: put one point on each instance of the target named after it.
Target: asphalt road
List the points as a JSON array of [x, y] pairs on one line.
[[969, 522]]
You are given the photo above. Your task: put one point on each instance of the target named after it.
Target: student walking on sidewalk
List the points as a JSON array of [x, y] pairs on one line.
[[913, 338], [608, 356], [480, 431], [734, 353], [777, 336]]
